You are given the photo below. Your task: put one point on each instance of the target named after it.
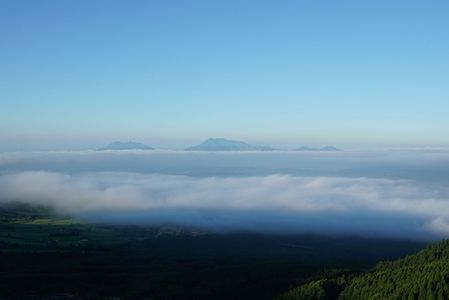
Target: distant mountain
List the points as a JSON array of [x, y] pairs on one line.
[[325, 148], [219, 144], [125, 146]]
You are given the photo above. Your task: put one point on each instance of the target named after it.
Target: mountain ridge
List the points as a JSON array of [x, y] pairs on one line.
[[322, 149], [221, 144], [125, 146]]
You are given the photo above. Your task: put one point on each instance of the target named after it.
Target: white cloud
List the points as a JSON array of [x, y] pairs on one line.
[[337, 197]]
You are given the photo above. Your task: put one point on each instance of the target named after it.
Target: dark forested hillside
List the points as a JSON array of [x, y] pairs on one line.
[[323, 289], [424, 275]]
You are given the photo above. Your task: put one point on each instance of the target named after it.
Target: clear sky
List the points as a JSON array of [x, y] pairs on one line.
[[354, 73]]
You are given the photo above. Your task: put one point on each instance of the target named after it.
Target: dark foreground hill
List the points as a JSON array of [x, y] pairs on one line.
[[424, 275]]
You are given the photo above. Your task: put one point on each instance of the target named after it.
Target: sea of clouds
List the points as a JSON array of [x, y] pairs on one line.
[[400, 194]]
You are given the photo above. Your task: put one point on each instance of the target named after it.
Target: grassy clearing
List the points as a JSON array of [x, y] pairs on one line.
[[49, 221]]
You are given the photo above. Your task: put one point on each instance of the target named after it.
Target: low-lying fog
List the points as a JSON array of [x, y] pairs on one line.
[[397, 193]]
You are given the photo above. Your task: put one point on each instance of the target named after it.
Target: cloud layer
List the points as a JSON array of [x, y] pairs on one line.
[[278, 203]]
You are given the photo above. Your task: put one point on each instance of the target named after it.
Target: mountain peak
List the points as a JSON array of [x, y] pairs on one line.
[[125, 146], [221, 144], [324, 149]]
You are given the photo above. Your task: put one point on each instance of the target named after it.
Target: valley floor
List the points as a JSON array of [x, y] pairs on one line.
[[43, 256]]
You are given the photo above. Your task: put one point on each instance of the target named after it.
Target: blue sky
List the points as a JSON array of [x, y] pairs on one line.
[[349, 73]]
